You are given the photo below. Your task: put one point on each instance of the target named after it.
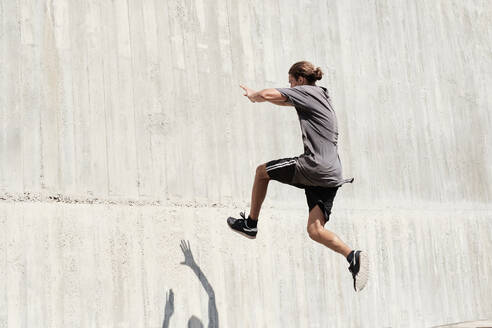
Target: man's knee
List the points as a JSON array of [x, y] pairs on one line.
[[317, 232], [262, 173], [314, 230]]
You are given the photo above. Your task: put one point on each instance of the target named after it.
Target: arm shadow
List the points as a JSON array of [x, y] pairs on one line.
[[213, 315]]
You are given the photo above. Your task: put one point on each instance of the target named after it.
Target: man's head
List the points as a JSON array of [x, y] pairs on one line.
[[304, 72]]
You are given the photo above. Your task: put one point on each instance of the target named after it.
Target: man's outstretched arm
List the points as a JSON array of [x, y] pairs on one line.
[[270, 95]]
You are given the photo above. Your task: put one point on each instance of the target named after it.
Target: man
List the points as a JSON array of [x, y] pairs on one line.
[[318, 171]]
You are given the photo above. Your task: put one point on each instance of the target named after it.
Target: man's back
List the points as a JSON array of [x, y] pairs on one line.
[[320, 164]]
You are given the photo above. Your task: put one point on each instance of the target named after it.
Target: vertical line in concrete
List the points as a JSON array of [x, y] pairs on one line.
[[3, 101], [106, 99], [12, 140], [133, 54]]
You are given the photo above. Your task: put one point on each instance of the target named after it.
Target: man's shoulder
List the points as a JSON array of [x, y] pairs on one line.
[[311, 88]]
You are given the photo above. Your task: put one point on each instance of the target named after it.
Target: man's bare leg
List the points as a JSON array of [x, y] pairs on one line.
[[359, 262], [259, 191], [318, 233], [248, 226]]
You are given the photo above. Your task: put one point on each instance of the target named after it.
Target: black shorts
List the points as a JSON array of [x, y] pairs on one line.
[[283, 170]]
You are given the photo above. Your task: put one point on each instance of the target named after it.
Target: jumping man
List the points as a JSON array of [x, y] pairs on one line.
[[318, 171]]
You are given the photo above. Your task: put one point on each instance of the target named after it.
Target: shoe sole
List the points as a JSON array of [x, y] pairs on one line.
[[363, 275], [242, 233]]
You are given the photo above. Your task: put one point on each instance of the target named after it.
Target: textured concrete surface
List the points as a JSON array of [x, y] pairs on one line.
[[99, 265], [123, 131], [470, 324]]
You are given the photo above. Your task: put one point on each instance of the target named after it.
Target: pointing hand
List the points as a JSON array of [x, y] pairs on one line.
[[247, 92]]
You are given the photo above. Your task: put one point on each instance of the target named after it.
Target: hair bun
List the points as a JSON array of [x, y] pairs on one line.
[[306, 70], [318, 74]]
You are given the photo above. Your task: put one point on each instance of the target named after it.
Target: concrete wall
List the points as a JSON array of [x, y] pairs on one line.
[[123, 131]]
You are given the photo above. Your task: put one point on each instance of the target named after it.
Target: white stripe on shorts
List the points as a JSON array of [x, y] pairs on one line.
[[279, 165]]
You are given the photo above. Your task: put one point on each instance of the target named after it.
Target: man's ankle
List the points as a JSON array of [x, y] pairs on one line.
[[252, 223], [350, 257]]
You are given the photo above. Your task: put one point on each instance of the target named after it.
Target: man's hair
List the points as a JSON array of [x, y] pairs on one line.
[[306, 70]]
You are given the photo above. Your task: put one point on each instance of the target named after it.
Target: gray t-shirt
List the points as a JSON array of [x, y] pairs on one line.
[[320, 164]]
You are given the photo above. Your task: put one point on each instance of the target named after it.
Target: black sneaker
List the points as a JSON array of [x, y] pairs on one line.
[[241, 226], [359, 267]]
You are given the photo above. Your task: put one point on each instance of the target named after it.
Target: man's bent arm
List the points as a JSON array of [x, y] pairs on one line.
[[270, 95]]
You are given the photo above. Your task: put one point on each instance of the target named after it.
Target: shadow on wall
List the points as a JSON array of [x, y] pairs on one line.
[[193, 322]]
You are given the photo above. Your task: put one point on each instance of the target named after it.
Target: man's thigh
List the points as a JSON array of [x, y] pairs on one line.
[[321, 198], [282, 170], [316, 217]]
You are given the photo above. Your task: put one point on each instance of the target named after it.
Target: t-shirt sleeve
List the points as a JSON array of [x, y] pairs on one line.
[[297, 96]]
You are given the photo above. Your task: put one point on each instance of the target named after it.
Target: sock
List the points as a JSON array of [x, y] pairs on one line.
[[350, 257], [251, 223]]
